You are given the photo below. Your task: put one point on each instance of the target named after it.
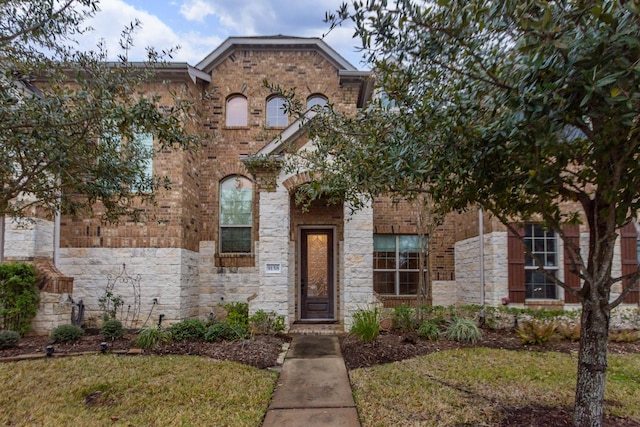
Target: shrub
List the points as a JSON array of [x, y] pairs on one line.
[[65, 333], [188, 329], [366, 324], [19, 296], [152, 337], [534, 332], [237, 313], [112, 329], [263, 323], [463, 330], [220, 331], [429, 330], [109, 304], [405, 318], [8, 339]]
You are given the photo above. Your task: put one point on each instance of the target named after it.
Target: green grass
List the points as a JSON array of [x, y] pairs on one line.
[[470, 386], [106, 390]]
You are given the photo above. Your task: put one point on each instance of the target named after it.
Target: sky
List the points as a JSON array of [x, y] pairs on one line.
[[200, 26]]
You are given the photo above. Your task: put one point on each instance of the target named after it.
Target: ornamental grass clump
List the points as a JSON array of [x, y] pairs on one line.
[[152, 337], [366, 324], [463, 330], [537, 333]]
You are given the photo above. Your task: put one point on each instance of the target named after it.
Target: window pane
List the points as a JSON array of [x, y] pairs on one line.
[[384, 260], [314, 100], [276, 116], [384, 282], [539, 286], [235, 239], [408, 282], [236, 201], [237, 111], [383, 243]]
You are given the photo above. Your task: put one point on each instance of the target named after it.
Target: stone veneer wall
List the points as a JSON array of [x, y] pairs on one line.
[[443, 292], [167, 274], [467, 253], [220, 285], [356, 290], [27, 239], [276, 291], [54, 310]]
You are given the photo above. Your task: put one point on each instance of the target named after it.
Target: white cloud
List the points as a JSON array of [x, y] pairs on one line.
[[197, 10], [115, 15]]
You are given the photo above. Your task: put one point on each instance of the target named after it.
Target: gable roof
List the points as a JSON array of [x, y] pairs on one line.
[[278, 42]]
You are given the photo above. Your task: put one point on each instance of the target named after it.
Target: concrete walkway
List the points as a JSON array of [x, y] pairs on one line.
[[313, 389]]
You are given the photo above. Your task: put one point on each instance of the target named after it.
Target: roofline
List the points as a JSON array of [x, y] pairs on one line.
[[364, 78], [289, 134], [220, 53]]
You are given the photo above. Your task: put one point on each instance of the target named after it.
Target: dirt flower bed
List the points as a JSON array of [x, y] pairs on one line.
[[261, 351]]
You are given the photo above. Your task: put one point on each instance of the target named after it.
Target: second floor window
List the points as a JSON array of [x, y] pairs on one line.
[[276, 115], [236, 111]]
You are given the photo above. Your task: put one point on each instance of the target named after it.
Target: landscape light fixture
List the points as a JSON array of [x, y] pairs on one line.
[[103, 347], [49, 350]]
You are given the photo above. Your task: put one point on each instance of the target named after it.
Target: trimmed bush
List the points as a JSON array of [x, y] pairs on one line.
[[366, 324], [19, 296], [463, 330], [112, 329], [152, 337], [429, 330], [65, 333], [8, 339], [188, 329], [220, 331]]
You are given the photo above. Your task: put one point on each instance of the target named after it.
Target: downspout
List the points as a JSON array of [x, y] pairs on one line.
[[1, 239], [481, 245], [56, 239]]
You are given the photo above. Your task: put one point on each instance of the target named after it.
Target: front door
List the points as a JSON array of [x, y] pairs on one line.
[[316, 274]]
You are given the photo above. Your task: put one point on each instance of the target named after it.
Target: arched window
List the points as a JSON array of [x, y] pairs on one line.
[[314, 100], [237, 111], [276, 116], [236, 193]]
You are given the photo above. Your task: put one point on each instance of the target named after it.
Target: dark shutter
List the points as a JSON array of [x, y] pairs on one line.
[[572, 236], [629, 256], [515, 256]]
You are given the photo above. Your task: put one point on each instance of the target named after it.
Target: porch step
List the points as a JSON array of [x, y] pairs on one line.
[[316, 329]]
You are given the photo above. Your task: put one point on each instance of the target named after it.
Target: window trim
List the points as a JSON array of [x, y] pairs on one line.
[[317, 96], [397, 270], [281, 114], [542, 256]]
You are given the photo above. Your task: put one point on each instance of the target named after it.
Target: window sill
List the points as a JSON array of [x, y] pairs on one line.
[[236, 127]]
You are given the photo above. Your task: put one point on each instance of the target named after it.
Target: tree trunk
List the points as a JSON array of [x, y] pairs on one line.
[[592, 365]]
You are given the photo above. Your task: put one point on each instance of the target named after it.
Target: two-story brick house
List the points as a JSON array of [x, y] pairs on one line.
[[223, 234]]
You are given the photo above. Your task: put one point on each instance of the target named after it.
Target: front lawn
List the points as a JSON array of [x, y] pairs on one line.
[[109, 390], [481, 386]]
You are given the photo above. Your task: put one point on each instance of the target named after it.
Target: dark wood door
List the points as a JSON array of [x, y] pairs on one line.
[[316, 274]]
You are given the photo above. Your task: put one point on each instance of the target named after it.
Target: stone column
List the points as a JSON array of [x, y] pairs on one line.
[[273, 253], [357, 267]]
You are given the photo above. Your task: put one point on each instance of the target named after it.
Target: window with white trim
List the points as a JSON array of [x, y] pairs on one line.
[[543, 245], [314, 100], [396, 264], [236, 205], [276, 115]]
